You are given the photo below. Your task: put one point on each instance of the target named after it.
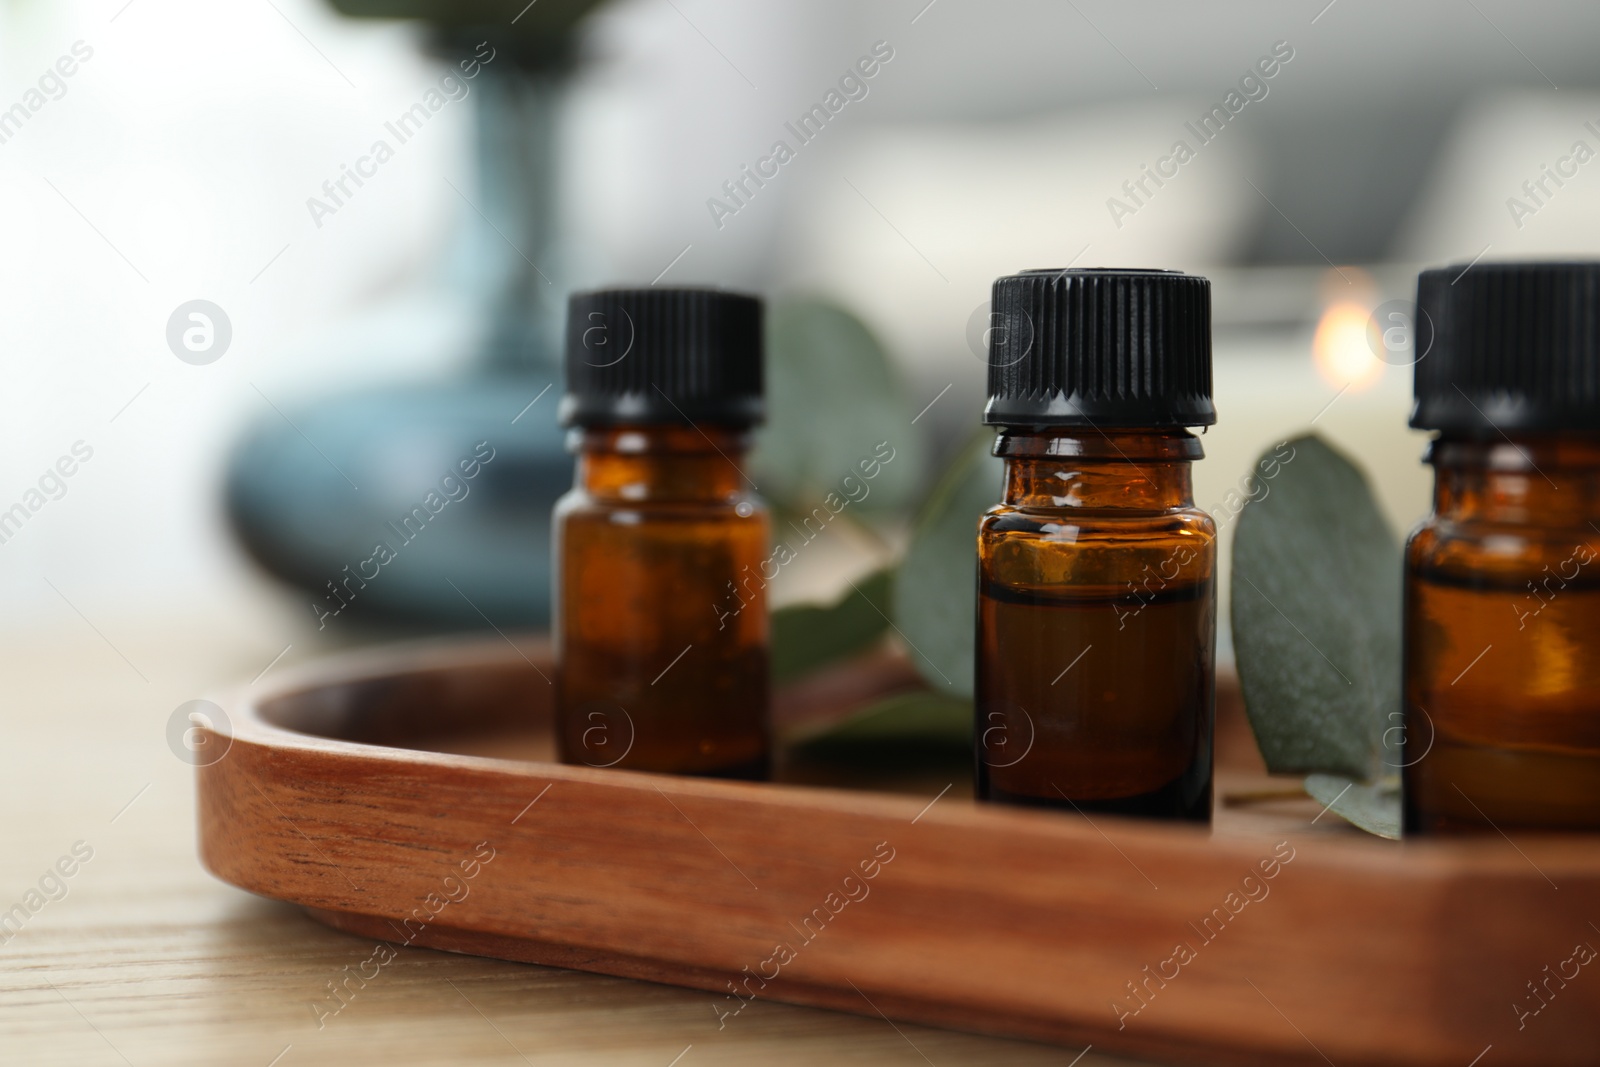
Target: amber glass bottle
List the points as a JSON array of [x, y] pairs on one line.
[[1097, 574], [661, 639], [1502, 582]]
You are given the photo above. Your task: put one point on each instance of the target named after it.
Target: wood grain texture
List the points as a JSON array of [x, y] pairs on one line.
[[149, 960], [999, 921]]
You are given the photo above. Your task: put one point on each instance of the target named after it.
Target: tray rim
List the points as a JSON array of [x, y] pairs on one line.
[[1434, 872], [247, 723]]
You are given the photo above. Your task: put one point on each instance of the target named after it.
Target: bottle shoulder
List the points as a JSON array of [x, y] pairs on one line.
[[1486, 550], [577, 506], [578, 500], [1045, 549], [1073, 525]]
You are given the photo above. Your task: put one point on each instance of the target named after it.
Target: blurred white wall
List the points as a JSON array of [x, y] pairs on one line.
[[178, 161], [177, 166], [1495, 186]]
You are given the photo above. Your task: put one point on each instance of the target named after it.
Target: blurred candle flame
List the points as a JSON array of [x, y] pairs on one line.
[[1340, 348]]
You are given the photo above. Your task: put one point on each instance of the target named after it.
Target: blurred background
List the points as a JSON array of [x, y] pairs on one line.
[[373, 335], [273, 268]]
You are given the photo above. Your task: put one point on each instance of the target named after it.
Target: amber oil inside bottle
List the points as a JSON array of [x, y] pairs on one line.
[[662, 657], [1097, 626], [1502, 605]]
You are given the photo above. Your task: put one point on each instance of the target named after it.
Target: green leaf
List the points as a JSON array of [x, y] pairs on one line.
[[1374, 807], [1316, 613], [906, 729], [834, 398], [808, 636], [935, 587]]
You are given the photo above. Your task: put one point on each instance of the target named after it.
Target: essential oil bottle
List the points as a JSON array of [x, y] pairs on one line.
[[661, 638], [1096, 630], [1502, 580]]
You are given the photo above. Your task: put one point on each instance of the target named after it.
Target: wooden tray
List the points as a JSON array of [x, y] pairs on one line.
[[406, 796]]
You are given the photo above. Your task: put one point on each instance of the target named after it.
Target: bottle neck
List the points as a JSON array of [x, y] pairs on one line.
[[1133, 470], [635, 464], [1551, 481]]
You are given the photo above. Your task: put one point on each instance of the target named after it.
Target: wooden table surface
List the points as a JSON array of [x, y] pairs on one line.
[[144, 958]]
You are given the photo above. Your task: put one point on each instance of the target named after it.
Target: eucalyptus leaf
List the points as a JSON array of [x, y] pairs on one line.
[[808, 636], [935, 587], [834, 398], [1316, 613], [1374, 806]]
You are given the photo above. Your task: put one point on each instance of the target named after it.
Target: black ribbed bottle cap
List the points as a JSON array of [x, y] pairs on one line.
[[1100, 348], [1516, 346], [663, 356]]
